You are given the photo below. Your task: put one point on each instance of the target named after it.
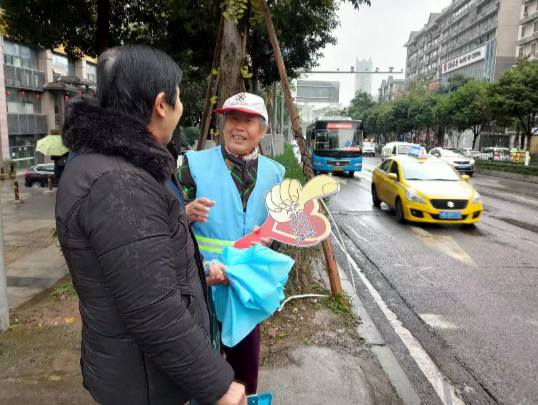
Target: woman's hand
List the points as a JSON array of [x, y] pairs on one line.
[[217, 275], [198, 210], [267, 242]]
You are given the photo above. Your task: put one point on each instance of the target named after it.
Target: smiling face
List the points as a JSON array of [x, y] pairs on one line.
[[242, 132]]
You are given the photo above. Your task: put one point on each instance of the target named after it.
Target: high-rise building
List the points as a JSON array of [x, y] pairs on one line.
[[363, 81], [528, 30], [474, 38], [34, 87], [390, 89]]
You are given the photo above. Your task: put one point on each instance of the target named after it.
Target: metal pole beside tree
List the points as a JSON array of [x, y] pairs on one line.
[[4, 308], [274, 123], [332, 268]]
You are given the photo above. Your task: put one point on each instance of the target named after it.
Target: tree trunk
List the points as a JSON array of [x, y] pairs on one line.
[[231, 79], [102, 36]]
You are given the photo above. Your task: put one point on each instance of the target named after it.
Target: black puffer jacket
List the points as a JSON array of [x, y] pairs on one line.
[[135, 266]]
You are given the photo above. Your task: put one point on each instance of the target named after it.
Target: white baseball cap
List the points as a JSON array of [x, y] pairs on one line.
[[246, 102]]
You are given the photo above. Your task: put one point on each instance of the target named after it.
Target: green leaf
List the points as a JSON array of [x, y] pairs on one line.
[[15, 326], [214, 100]]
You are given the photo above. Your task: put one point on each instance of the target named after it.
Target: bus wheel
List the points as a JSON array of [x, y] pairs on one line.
[[351, 173]]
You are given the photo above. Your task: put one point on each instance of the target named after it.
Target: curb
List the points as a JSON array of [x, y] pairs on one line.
[[41, 294], [384, 354], [508, 175]]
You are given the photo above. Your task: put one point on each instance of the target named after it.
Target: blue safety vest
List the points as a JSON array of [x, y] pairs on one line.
[[227, 221]]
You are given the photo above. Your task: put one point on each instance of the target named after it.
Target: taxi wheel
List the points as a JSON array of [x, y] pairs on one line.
[[376, 201], [399, 211]]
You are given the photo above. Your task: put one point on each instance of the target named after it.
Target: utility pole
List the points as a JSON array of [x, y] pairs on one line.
[[4, 308], [332, 268], [274, 123], [282, 112]]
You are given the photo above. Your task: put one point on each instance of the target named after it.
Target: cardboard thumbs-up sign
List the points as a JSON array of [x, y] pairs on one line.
[[294, 216]]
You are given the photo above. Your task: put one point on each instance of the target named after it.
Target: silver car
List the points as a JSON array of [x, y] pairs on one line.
[[455, 157], [368, 149]]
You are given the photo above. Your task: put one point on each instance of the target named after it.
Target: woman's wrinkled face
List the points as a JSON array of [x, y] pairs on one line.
[[242, 132]]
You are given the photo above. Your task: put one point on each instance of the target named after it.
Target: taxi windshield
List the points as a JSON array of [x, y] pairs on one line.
[[404, 149], [429, 171]]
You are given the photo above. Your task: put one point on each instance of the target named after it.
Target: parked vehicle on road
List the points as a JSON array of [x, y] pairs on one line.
[[368, 149], [395, 149], [456, 158], [495, 154], [425, 190], [336, 144], [38, 176]]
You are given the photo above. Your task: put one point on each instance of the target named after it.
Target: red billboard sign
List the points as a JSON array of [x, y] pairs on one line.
[[340, 125]]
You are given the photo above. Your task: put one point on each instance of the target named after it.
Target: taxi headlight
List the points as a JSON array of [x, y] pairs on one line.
[[414, 197], [476, 199]]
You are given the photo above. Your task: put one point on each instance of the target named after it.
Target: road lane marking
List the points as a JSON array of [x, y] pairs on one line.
[[356, 233], [485, 191], [444, 244], [437, 322], [442, 386]]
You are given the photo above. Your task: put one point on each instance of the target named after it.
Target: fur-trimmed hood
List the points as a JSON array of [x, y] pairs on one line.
[[88, 128]]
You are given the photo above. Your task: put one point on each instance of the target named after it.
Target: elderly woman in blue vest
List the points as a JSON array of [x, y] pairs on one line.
[[224, 189]]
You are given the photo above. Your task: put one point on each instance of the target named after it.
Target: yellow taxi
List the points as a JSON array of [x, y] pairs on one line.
[[425, 189]]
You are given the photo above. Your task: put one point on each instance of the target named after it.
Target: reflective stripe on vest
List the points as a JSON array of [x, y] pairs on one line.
[[212, 245]]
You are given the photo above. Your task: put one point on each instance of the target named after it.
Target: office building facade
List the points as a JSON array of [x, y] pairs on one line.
[[363, 81], [473, 38], [34, 86], [528, 30]]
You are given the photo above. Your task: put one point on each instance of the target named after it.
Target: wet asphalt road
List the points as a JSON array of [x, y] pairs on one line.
[[470, 296]]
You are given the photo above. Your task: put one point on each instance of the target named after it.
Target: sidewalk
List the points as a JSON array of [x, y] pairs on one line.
[[32, 259]]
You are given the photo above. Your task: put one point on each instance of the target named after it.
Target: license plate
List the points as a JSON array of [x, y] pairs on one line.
[[450, 215], [463, 167], [338, 169]]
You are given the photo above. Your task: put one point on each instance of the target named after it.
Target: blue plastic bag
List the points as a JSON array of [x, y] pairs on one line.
[[257, 277]]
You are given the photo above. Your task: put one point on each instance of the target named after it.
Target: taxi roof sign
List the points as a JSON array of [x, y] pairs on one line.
[[418, 152]]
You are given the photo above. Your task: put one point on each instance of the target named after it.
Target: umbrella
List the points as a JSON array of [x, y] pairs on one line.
[[256, 288], [52, 145]]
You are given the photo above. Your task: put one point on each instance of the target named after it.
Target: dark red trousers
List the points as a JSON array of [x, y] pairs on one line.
[[245, 360]]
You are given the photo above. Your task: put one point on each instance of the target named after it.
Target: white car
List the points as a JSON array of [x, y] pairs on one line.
[[368, 149]]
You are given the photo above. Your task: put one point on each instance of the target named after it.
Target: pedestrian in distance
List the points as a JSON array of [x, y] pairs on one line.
[[124, 234], [224, 188]]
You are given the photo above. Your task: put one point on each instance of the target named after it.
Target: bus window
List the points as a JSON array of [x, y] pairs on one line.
[[336, 139]]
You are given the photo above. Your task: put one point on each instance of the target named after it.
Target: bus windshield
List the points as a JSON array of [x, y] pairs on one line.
[[336, 139]]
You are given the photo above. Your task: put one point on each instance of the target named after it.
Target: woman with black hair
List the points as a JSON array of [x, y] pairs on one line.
[[146, 336]]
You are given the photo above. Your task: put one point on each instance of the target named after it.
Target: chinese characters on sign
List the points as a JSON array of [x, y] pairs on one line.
[[300, 225], [338, 125], [464, 60]]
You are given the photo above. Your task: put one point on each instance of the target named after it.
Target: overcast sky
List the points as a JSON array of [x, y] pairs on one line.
[[379, 32]]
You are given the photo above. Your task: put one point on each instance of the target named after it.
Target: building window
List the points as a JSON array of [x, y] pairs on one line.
[[91, 70], [535, 26], [526, 12], [27, 103], [62, 66], [533, 48], [520, 51], [523, 31], [19, 55]]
